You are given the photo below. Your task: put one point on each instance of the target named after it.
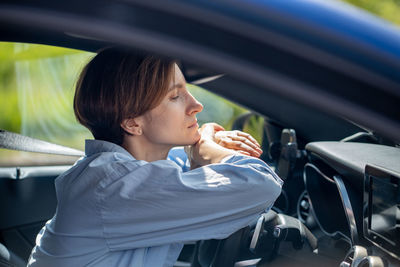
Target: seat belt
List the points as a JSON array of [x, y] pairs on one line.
[[14, 141]]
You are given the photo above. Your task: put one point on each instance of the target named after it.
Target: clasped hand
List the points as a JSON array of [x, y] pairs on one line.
[[215, 144]]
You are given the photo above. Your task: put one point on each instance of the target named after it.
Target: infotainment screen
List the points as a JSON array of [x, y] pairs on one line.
[[382, 214]]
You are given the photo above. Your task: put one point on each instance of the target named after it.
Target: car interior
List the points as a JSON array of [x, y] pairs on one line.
[[340, 203]]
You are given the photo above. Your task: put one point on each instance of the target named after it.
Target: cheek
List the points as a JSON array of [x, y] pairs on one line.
[[168, 122], [173, 115], [159, 124], [164, 121]]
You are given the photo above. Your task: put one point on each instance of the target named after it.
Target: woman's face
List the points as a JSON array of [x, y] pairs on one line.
[[173, 122]]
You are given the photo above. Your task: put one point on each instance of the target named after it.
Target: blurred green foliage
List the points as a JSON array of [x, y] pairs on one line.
[[36, 89], [36, 92], [27, 67], [387, 9]]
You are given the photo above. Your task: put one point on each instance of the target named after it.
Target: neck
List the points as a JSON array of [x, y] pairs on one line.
[[141, 149]]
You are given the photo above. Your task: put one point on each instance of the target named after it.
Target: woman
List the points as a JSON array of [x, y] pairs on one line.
[[124, 203]]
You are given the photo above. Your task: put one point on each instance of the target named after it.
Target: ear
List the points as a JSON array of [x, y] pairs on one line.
[[132, 126]]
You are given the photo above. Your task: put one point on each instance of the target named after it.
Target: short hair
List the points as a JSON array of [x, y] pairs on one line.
[[119, 84]]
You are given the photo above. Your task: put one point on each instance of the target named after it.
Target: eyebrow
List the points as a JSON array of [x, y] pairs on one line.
[[175, 86]]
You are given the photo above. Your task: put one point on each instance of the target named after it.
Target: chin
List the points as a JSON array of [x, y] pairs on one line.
[[192, 140], [196, 138]]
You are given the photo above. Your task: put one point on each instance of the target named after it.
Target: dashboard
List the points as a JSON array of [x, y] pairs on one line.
[[354, 191]]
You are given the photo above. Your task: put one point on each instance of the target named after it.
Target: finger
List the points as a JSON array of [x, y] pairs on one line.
[[244, 153], [247, 142], [248, 136], [233, 135], [247, 139], [218, 127], [238, 145], [248, 154]]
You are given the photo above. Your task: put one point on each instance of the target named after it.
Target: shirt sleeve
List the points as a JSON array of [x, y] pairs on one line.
[[156, 203]]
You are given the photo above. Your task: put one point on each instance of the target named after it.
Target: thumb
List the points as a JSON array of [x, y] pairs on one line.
[[218, 127]]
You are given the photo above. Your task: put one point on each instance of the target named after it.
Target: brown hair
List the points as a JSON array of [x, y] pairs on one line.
[[116, 85]]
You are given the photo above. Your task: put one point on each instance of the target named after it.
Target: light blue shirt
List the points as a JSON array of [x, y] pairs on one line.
[[114, 210]]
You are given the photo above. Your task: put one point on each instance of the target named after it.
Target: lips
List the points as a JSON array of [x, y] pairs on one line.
[[193, 125]]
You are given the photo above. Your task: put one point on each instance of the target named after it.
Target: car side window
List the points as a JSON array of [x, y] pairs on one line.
[[36, 91]]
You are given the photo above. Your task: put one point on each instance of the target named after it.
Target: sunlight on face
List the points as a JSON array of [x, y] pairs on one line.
[[173, 122]]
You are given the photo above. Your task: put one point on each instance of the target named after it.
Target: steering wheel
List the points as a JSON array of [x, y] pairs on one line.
[[258, 240], [220, 253]]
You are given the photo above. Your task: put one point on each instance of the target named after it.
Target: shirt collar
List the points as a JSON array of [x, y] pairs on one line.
[[99, 146]]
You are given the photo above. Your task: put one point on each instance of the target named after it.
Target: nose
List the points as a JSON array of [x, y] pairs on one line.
[[194, 106]]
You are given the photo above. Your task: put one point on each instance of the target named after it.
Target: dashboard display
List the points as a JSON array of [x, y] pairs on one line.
[[382, 215]]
